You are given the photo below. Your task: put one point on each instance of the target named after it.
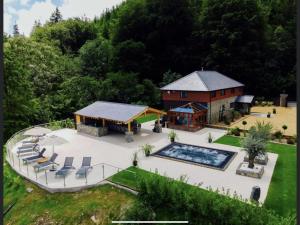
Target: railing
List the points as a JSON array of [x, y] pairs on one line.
[[48, 178], [19, 136]]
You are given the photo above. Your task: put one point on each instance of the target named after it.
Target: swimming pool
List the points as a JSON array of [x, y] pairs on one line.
[[209, 157]]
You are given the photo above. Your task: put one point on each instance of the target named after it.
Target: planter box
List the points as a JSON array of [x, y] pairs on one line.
[[255, 172], [261, 159]]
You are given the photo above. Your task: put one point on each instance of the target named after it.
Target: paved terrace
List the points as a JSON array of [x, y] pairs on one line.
[[112, 153]]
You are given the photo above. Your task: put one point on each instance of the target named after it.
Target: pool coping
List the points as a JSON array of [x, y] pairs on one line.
[[194, 163]]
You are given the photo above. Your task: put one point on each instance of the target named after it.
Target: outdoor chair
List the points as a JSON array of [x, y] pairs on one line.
[[85, 166], [68, 166], [35, 158], [29, 149], [46, 164]]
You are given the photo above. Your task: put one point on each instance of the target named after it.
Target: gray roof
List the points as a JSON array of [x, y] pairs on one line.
[[111, 110], [245, 99], [202, 81]]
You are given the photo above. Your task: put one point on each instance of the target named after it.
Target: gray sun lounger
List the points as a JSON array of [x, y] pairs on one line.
[[34, 158], [46, 164], [32, 149], [85, 166], [67, 167]]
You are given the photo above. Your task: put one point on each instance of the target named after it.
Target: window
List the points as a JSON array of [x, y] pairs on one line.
[[222, 92], [232, 90], [213, 94], [183, 94]]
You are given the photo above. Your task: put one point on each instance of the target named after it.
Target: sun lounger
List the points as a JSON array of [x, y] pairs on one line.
[[46, 164], [31, 141], [32, 149], [85, 166], [68, 165], [34, 158]]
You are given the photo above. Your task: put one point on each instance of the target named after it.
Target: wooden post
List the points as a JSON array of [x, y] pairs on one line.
[[129, 127], [103, 122], [158, 119], [77, 118]]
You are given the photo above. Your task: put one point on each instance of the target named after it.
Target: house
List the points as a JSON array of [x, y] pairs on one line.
[[202, 97]]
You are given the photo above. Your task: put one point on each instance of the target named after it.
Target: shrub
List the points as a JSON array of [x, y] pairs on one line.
[[257, 103], [236, 131], [290, 141], [278, 135], [263, 103], [269, 115], [226, 121], [269, 103], [160, 197], [274, 111], [236, 114]]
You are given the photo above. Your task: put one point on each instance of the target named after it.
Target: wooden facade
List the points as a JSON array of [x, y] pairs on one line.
[[189, 117]]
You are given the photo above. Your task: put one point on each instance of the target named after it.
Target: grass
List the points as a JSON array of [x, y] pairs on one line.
[[41, 207], [282, 191], [147, 118], [129, 177]]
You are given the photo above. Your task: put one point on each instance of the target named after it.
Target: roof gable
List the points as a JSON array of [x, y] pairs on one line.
[[202, 81]]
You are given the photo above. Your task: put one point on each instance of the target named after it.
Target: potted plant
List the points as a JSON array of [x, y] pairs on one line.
[[210, 138], [135, 159], [255, 143], [172, 135], [274, 110], [244, 124], [147, 149]]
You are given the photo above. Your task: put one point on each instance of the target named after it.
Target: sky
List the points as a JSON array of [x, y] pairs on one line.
[[25, 12]]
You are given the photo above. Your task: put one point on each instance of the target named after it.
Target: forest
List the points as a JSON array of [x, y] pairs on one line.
[[128, 52]]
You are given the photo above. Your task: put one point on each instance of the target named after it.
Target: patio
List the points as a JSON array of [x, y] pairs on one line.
[[111, 153]]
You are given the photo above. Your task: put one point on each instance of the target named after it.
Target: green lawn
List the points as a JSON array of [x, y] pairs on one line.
[[41, 207], [147, 118], [282, 191], [128, 178]]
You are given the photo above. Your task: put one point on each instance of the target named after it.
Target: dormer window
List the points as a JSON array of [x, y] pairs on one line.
[[183, 94]]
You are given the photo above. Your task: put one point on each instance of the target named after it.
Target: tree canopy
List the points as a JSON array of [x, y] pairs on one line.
[[127, 52]]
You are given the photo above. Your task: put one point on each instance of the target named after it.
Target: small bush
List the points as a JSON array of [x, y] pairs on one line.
[[263, 103], [236, 131], [226, 121], [269, 115], [290, 141], [278, 135], [236, 114], [269, 103], [274, 111]]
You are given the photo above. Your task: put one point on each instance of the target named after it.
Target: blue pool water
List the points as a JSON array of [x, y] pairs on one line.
[[215, 158]]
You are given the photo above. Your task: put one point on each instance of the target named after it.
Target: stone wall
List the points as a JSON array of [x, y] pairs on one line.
[[214, 109], [90, 130]]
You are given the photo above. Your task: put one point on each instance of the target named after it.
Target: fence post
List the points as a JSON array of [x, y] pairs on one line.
[[103, 171], [13, 161], [46, 177], [27, 169], [35, 175], [19, 164], [64, 180], [85, 176]]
